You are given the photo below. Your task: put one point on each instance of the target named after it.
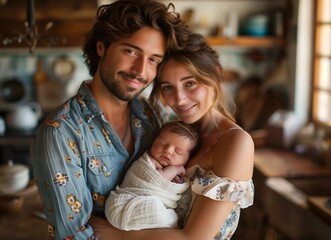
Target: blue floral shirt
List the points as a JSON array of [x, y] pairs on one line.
[[78, 159]]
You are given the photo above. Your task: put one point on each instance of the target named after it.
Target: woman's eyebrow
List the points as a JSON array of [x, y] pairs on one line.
[[182, 79]]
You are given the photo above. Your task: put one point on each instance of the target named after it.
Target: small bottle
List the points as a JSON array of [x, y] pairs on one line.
[[40, 75]]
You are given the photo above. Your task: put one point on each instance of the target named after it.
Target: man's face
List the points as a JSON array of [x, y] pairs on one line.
[[129, 65]]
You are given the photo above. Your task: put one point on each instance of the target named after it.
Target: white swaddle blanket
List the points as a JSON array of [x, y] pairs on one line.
[[145, 199]]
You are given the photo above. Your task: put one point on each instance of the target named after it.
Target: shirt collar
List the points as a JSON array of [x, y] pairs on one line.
[[90, 107]]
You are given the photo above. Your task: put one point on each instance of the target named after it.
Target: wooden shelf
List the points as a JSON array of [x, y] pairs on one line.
[[71, 19], [17, 139], [246, 41]]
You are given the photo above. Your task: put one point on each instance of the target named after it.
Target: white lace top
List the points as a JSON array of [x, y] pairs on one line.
[[206, 183]]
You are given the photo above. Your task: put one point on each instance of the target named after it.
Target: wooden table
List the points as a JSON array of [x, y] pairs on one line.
[[269, 163], [280, 163], [24, 224], [285, 207]]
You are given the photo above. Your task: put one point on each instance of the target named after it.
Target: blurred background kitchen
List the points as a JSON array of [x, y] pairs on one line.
[[276, 56]]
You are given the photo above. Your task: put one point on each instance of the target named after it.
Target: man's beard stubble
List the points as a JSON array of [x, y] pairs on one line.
[[113, 86]]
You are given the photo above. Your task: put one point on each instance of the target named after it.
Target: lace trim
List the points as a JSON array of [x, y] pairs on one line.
[[206, 183]]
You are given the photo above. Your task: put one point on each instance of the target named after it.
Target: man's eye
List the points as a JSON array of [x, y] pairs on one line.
[[155, 61], [131, 52]]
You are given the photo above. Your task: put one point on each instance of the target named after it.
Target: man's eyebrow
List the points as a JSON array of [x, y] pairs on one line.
[[141, 50]]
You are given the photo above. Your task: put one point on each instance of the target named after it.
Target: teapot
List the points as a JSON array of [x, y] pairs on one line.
[[25, 117]]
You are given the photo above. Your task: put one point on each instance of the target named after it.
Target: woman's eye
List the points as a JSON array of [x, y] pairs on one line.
[[190, 84], [166, 88]]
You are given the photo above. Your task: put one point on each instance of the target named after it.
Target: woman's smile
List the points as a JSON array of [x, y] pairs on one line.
[[183, 93]]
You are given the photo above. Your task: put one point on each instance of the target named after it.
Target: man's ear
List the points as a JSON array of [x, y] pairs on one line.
[[100, 48]]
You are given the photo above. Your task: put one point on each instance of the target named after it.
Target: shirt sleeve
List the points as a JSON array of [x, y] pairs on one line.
[[224, 189], [58, 172]]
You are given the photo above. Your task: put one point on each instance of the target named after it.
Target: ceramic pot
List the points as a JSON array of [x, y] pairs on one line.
[[13, 177], [24, 117]]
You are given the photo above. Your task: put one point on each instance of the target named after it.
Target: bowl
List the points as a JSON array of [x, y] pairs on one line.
[[10, 203], [13, 177]]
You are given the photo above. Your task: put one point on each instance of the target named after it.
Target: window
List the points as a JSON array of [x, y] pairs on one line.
[[321, 101]]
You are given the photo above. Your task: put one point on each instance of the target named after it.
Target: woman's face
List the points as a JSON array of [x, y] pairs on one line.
[[183, 93]]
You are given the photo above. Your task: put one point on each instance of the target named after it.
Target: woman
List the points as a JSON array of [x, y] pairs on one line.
[[189, 81]]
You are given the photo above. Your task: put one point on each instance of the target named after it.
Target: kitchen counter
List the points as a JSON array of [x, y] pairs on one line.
[[276, 163], [24, 224], [280, 163], [288, 188]]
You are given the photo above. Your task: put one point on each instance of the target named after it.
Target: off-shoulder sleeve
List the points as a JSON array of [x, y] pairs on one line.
[[206, 183]]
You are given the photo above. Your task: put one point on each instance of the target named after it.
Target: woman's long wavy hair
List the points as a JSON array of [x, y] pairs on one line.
[[203, 63], [122, 18]]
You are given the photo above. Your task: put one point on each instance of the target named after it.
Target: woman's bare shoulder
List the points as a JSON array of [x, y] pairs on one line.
[[233, 156], [236, 134]]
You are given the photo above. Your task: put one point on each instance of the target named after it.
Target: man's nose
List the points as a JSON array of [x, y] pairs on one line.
[[139, 67]]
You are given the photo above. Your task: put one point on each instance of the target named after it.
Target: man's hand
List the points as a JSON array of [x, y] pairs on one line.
[[102, 229]]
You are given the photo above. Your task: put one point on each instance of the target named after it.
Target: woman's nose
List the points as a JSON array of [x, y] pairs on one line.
[[180, 97]]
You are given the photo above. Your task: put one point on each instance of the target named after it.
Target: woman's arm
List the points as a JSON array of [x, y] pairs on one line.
[[203, 224], [233, 157], [103, 230]]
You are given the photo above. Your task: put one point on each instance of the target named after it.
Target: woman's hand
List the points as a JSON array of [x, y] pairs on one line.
[[105, 231]]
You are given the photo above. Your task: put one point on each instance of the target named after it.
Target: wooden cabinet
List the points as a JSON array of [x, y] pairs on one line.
[[274, 163], [69, 19]]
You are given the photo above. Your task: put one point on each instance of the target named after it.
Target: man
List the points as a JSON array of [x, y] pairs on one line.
[[83, 148]]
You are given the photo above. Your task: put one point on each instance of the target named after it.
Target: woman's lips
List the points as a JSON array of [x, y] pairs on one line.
[[184, 109]]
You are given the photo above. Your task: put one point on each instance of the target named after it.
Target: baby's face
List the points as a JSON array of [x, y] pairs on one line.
[[171, 149]]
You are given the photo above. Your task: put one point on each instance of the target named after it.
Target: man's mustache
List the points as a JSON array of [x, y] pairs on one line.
[[133, 76]]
